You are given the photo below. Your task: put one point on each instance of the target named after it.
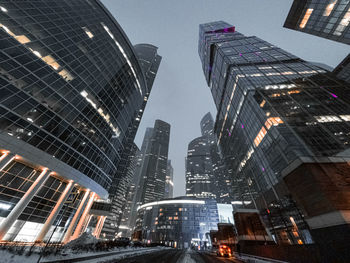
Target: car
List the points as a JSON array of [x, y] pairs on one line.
[[224, 251]]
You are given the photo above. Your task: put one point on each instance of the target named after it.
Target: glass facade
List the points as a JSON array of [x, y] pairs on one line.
[[72, 94], [169, 181], [206, 173], [155, 163], [179, 222], [275, 112], [342, 71], [329, 19]]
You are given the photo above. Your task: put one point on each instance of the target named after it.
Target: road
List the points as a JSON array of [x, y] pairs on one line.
[[177, 256]]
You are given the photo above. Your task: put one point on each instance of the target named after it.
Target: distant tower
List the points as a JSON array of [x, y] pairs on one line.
[[155, 159], [169, 182], [206, 174]]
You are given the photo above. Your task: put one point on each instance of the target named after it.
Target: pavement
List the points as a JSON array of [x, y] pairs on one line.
[[176, 256]]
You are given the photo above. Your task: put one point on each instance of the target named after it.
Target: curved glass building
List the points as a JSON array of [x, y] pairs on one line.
[[179, 222], [71, 90]]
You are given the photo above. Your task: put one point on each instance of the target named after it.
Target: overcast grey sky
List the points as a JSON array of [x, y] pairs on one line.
[[180, 95]]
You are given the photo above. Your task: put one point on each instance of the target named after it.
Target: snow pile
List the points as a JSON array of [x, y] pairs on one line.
[[7, 257], [83, 240]]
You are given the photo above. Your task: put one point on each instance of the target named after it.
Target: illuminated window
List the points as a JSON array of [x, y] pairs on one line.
[[124, 54], [21, 38], [161, 209], [180, 209], [328, 118], [345, 117], [343, 24], [262, 103], [66, 75], [306, 18], [170, 218], [51, 62], [329, 8], [106, 117], [3, 9], [176, 218], [88, 32], [272, 121]]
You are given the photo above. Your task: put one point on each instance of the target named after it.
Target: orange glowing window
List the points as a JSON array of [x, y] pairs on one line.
[[160, 214], [180, 209], [272, 121], [300, 242], [306, 18], [262, 103], [275, 95], [329, 8], [170, 218], [161, 209], [293, 91], [176, 218]]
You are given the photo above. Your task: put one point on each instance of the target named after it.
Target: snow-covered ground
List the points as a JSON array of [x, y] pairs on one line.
[[7, 257]]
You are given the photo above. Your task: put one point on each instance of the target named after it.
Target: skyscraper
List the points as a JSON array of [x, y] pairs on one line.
[[206, 174], [169, 181], [154, 168], [151, 171], [328, 19], [284, 125], [149, 61], [71, 88]]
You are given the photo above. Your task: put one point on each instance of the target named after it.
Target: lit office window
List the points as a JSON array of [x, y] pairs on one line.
[[88, 32], [343, 24], [306, 18], [329, 8]]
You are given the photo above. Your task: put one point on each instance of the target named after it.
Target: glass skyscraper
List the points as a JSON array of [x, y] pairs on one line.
[[149, 61], [151, 168], [284, 125], [206, 174], [328, 19], [180, 222], [71, 90]]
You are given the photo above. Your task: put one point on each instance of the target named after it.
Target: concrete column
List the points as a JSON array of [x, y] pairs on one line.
[[21, 205], [87, 223], [68, 234], [99, 218], [5, 159], [55, 211], [83, 216], [100, 227]]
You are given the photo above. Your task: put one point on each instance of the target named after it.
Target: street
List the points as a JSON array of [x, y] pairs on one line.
[[176, 256]]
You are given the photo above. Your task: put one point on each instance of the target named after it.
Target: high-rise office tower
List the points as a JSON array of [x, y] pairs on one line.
[[284, 125], [206, 174], [169, 181], [71, 88], [328, 19], [149, 61], [122, 229], [153, 172], [151, 168]]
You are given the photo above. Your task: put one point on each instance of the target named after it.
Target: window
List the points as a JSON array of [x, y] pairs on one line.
[[306, 18], [329, 8], [88, 32]]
